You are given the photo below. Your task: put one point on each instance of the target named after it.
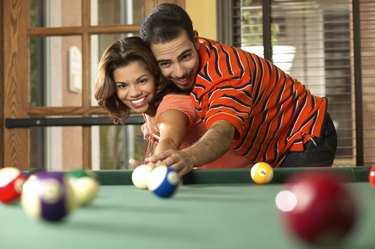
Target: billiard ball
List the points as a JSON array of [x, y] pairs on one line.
[[163, 181], [85, 186], [140, 176], [47, 196], [261, 173], [317, 208], [11, 181], [371, 176]]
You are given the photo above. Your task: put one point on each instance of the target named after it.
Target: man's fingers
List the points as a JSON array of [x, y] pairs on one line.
[[164, 157]]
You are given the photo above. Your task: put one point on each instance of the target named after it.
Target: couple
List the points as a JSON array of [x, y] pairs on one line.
[[241, 109]]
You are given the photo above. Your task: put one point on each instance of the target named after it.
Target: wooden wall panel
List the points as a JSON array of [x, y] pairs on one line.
[[150, 5], [15, 91]]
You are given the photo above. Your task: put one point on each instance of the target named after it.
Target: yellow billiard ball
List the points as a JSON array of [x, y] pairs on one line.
[[85, 186], [261, 173]]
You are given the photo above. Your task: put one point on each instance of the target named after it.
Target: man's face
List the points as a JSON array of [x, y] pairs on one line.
[[178, 60]]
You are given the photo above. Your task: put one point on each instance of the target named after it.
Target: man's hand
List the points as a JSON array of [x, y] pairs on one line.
[[135, 163], [179, 160], [212, 145]]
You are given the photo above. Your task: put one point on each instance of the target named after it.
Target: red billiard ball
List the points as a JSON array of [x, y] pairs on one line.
[[318, 209], [11, 181], [371, 176]]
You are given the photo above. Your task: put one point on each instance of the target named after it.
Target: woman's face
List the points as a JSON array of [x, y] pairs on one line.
[[135, 87]]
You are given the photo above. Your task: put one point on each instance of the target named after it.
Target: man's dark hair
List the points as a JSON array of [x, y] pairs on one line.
[[165, 23]]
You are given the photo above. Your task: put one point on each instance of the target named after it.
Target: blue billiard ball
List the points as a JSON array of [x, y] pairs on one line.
[[163, 181]]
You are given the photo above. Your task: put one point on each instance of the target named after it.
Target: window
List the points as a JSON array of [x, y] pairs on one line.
[[328, 46], [51, 59], [57, 80]]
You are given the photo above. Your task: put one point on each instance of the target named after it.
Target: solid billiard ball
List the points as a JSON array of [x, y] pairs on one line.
[[317, 208], [371, 176], [163, 181], [11, 181], [47, 196], [85, 186], [140, 176], [261, 173]]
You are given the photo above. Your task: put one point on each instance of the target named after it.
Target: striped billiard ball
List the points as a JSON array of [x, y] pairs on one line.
[[47, 196], [163, 181], [11, 181]]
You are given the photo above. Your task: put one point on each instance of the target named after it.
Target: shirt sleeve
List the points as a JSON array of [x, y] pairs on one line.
[[179, 102]]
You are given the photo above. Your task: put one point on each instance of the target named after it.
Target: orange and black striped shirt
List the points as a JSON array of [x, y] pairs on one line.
[[271, 112]]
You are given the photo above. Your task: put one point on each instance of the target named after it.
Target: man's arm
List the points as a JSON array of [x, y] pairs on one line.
[[212, 145]]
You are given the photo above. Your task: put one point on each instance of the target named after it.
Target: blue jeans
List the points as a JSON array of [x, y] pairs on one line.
[[319, 152]]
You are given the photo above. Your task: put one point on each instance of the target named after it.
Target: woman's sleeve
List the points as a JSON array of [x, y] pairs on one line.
[[178, 102]]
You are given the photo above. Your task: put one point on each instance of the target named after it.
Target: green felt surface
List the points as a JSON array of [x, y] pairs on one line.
[[198, 216]]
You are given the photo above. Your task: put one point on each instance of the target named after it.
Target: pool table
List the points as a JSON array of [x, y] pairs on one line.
[[212, 209]]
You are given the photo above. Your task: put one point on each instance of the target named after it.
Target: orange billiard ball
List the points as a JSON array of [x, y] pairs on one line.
[[261, 173], [371, 176]]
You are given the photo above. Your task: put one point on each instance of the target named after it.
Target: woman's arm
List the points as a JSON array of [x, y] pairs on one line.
[[172, 125], [214, 143]]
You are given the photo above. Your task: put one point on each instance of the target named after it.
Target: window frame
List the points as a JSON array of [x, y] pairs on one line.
[[226, 20], [15, 145]]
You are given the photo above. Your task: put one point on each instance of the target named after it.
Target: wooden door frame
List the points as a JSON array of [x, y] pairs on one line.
[[15, 91]]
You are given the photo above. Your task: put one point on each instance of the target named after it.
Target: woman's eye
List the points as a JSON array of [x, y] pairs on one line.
[[121, 85]]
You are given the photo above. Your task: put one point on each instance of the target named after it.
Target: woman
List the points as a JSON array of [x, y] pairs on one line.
[[129, 79]]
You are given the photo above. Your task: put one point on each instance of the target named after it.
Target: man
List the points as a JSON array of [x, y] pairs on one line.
[[246, 102]]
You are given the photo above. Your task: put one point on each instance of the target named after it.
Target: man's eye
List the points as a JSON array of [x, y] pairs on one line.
[[186, 56], [164, 64]]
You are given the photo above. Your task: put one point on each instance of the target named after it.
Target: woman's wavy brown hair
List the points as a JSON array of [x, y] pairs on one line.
[[120, 54]]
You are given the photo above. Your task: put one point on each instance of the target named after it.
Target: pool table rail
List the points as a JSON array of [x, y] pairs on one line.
[[238, 176]]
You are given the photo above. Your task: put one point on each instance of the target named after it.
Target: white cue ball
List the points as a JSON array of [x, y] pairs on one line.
[[140, 176]]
